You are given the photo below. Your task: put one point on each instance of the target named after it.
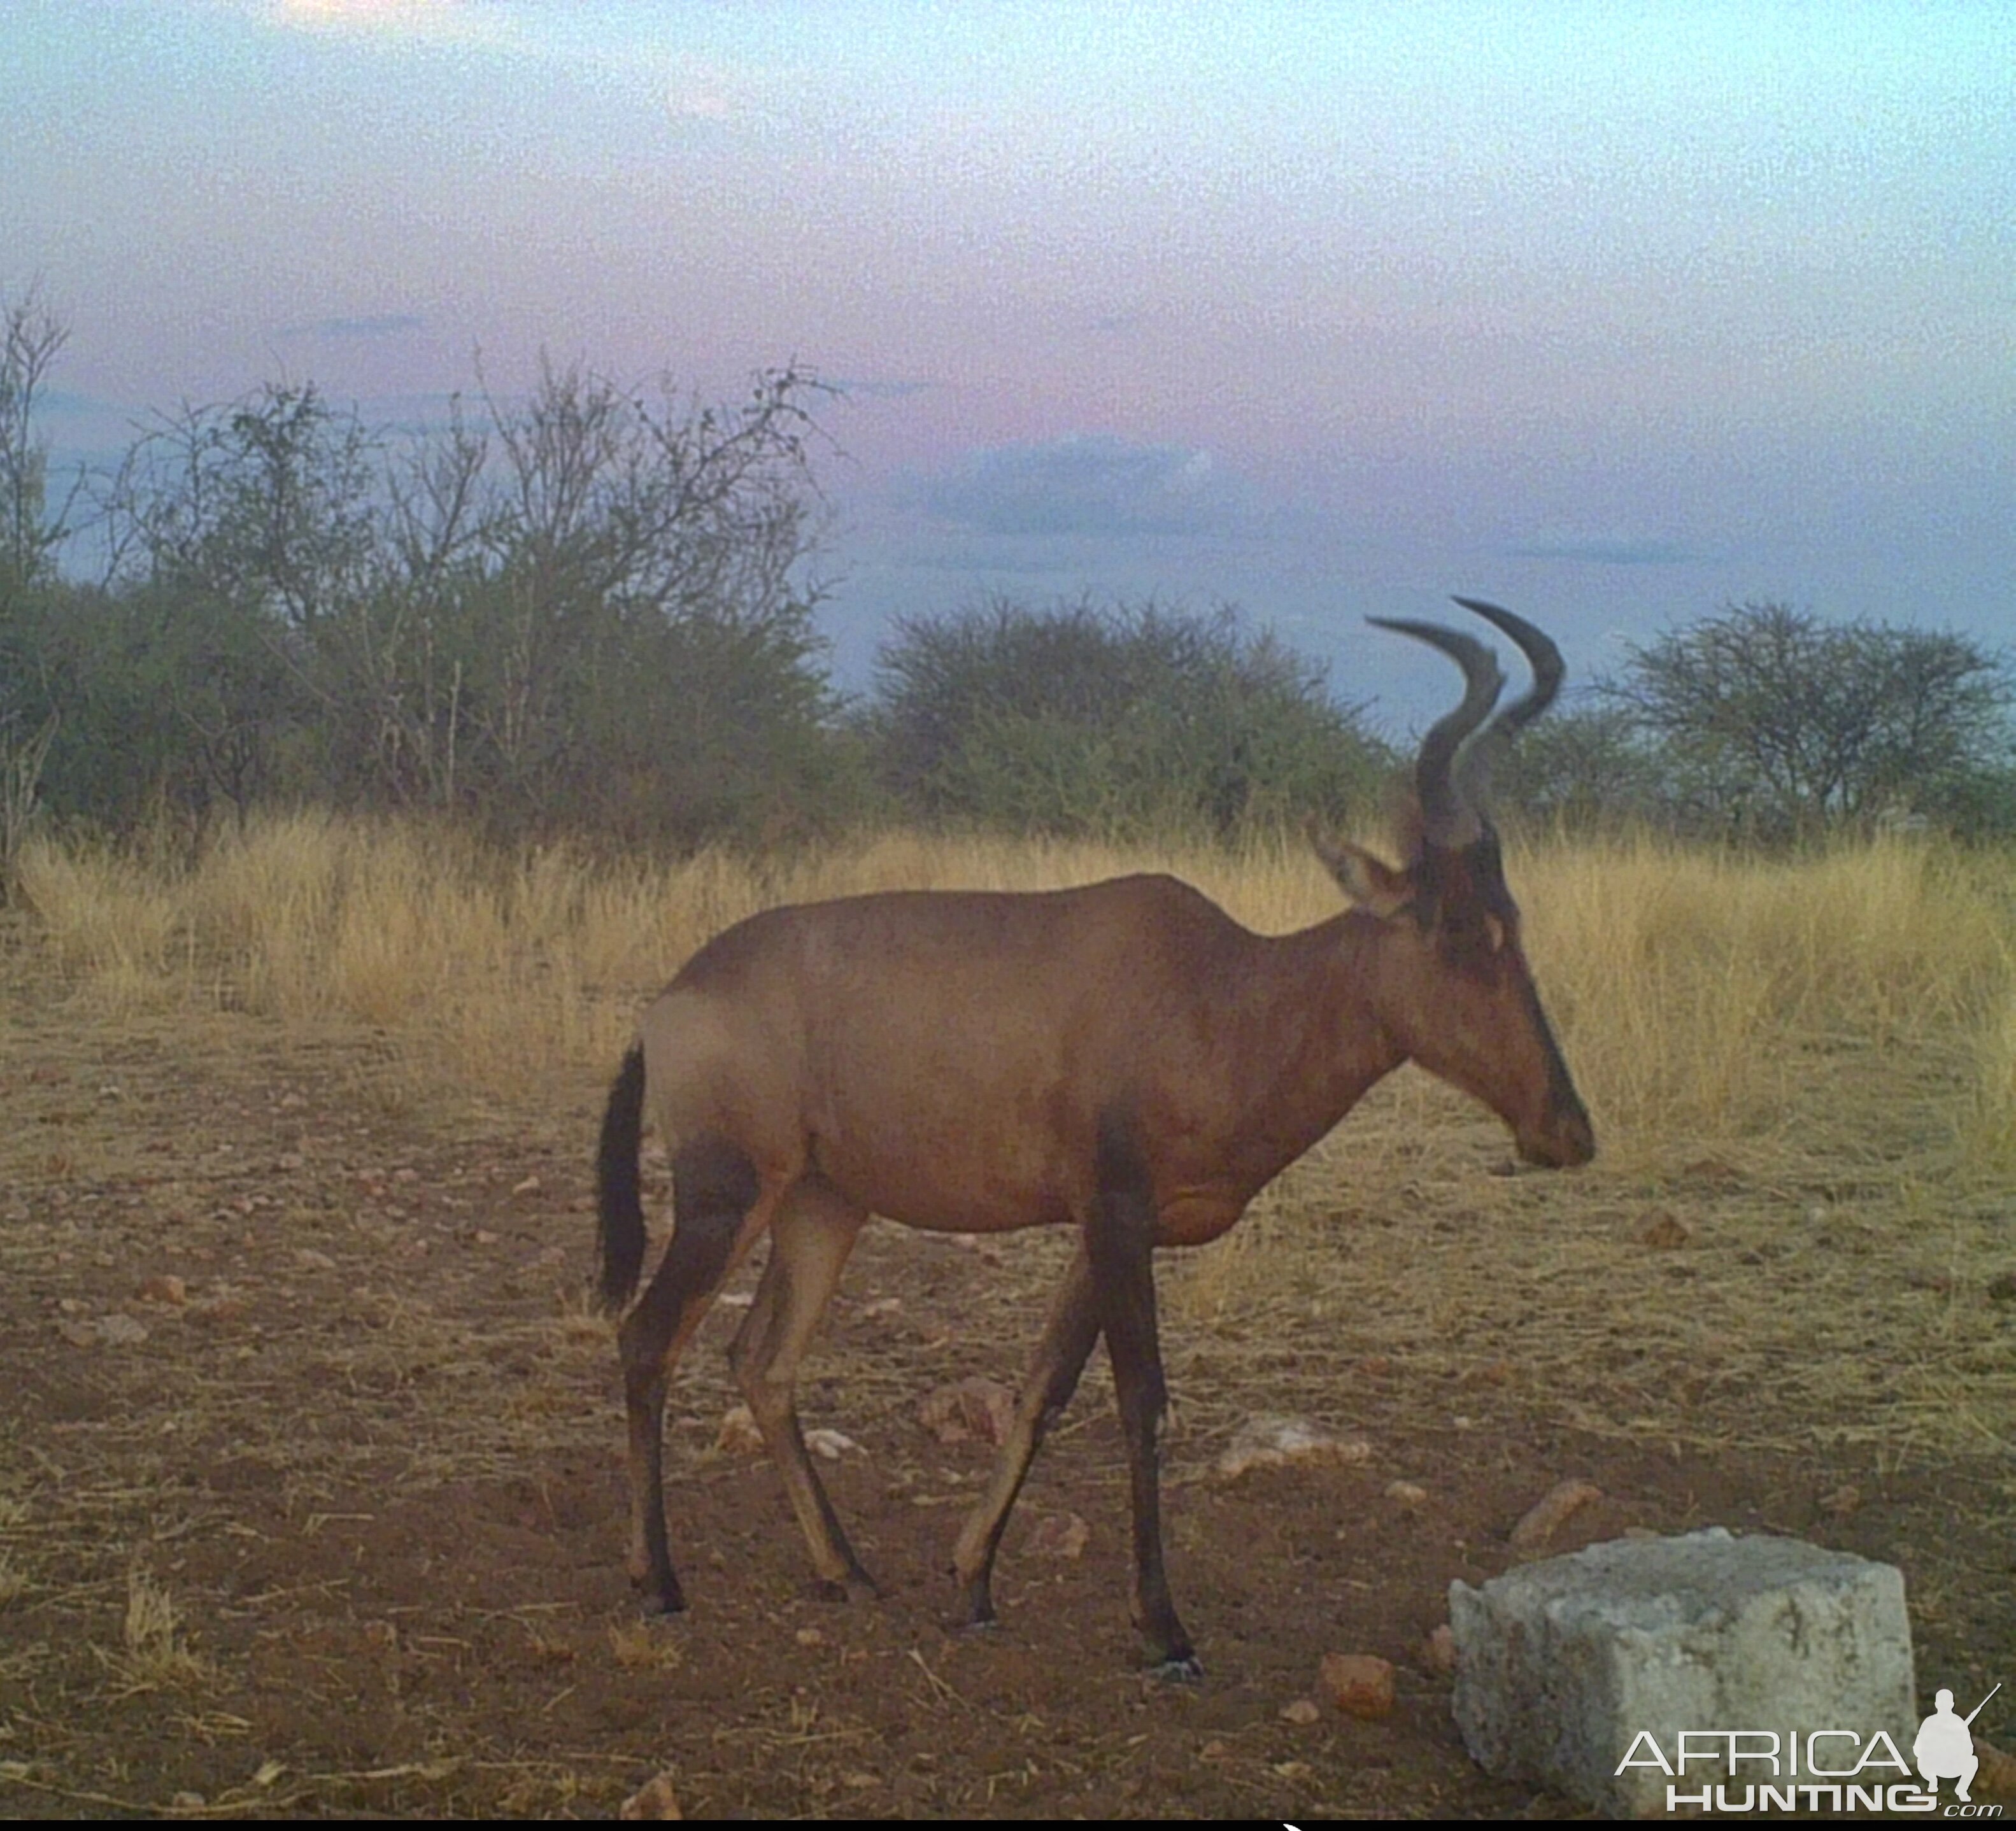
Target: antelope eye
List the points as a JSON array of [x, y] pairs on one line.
[[1494, 932]]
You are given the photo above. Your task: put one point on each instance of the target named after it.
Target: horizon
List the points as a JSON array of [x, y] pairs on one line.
[[1615, 316]]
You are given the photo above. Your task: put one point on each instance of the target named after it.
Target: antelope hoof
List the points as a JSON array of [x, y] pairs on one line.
[[659, 1598], [976, 1606], [1181, 1669]]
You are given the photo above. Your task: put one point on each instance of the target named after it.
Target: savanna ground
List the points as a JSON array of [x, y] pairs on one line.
[[311, 1489]]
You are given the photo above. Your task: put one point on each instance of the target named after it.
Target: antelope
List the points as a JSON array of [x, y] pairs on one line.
[[1122, 1058]]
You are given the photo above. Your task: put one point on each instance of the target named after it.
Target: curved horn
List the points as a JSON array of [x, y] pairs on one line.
[[1473, 765], [1446, 816], [1542, 656]]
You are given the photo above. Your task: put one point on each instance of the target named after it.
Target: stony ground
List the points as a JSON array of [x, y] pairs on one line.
[[311, 1491]]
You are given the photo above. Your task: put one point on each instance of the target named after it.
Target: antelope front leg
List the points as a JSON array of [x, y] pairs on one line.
[[1120, 1241]]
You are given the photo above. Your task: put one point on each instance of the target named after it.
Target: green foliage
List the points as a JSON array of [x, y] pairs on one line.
[[31, 338], [591, 611], [1584, 768], [588, 611], [1084, 719], [1770, 721]]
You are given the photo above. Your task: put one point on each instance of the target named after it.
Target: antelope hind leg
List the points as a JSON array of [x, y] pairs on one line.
[[717, 1215], [811, 1236], [1060, 1359]]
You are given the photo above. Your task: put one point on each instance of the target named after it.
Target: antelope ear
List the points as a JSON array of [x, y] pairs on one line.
[[1375, 887]]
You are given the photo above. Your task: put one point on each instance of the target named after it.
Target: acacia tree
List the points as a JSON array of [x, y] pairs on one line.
[[588, 609], [1771, 719], [241, 535], [642, 576], [1081, 718], [1582, 766], [593, 608], [31, 338]]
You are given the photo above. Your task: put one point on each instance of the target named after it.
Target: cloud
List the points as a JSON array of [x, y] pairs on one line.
[[696, 89], [388, 324], [882, 390], [69, 400], [1609, 551], [1092, 484], [437, 22]]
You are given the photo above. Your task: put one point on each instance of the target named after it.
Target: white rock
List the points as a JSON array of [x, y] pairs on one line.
[[1560, 1666], [1267, 1441]]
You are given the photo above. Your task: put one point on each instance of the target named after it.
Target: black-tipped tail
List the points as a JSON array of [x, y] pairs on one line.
[[622, 1204]]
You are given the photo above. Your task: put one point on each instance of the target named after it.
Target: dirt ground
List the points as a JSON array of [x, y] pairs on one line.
[[363, 1465]]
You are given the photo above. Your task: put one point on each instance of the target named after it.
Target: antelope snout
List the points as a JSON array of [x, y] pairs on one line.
[[1564, 1141]]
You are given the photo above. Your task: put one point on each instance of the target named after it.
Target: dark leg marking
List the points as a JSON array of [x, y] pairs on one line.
[[713, 1187], [1120, 1242], [620, 1204]]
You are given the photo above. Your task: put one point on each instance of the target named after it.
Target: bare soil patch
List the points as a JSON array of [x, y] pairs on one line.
[[364, 1462]]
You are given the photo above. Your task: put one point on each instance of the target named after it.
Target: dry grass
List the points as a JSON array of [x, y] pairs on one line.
[[1706, 995], [1810, 1064], [341, 1077], [154, 1657], [1691, 987]]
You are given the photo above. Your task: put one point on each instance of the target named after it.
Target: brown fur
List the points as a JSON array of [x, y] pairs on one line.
[[1122, 1058]]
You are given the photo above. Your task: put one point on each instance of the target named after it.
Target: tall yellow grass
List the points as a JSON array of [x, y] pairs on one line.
[[1700, 996], [1714, 995]]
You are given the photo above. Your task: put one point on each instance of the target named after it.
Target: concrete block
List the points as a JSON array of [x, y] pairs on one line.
[[1561, 1665]]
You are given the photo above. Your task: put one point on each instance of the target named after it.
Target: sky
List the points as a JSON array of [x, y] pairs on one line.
[[1613, 313]]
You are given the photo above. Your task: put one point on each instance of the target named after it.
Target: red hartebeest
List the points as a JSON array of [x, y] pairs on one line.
[[1122, 1058]]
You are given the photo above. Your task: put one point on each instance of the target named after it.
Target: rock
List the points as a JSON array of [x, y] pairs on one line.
[[830, 1445], [165, 1287], [738, 1435], [223, 1306], [1997, 1775], [968, 1410], [655, 1799], [1566, 1667], [1058, 1535], [1265, 1441], [1360, 1684], [1547, 1517], [1662, 1230], [1409, 1494], [1302, 1712], [1439, 1651]]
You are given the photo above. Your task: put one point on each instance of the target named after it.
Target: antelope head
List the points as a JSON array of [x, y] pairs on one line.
[[1451, 987]]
